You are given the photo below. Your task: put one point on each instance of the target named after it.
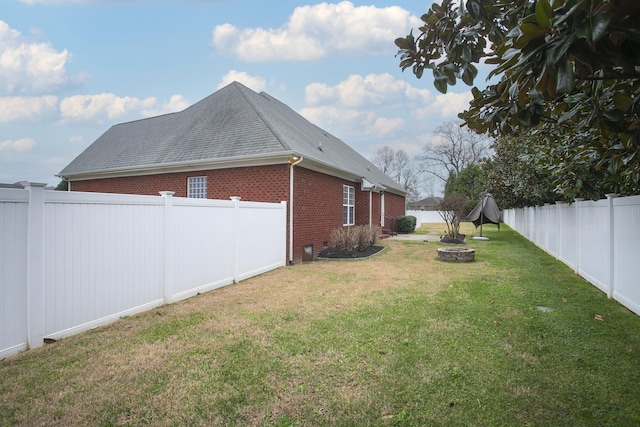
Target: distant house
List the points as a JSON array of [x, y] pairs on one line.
[[16, 185], [237, 142], [426, 204], [20, 185]]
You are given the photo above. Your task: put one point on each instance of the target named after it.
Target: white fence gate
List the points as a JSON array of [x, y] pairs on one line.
[[71, 261], [600, 240]]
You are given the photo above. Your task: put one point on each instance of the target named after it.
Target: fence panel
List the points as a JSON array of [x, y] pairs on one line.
[[72, 261], [626, 243], [539, 230], [600, 240], [567, 239], [551, 227], [103, 258], [426, 217], [262, 224], [13, 269], [203, 235], [593, 234]]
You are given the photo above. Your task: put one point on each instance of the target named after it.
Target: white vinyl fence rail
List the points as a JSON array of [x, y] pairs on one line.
[[425, 217], [599, 240], [72, 261]]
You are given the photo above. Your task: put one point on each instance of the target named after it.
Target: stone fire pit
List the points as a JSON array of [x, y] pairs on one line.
[[456, 254]]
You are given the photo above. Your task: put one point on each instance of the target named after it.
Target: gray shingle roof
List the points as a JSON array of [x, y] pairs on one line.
[[232, 123]]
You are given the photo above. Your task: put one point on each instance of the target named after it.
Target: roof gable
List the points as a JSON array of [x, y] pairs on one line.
[[232, 123]]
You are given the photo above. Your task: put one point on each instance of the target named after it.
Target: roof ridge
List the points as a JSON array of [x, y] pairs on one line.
[[267, 123]]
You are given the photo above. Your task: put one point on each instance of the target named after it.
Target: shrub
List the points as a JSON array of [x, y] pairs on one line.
[[406, 224], [358, 238], [367, 236], [343, 239]]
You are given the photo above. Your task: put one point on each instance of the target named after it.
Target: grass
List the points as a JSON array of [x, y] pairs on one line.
[[398, 339]]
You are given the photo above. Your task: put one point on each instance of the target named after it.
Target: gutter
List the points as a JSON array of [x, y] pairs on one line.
[[296, 160]]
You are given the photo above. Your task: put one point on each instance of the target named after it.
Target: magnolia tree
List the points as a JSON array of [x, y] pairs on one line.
[[574, 65]]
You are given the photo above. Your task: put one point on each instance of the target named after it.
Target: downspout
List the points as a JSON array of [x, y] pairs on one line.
[[295, 162], [370, 208]]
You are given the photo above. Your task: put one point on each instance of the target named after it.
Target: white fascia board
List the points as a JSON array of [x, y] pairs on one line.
[[176, 167]]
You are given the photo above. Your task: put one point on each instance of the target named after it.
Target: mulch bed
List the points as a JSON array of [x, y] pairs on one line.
[[333, 253]]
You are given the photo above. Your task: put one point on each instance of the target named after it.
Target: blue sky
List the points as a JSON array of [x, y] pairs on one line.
[[70, 69]]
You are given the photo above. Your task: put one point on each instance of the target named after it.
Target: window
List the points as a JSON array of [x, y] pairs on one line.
[[197, 187], [348, 204]]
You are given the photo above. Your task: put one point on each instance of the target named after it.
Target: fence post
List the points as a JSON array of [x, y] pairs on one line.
[[610, 198], [558, 232], [577, 234], [168, 246], [236, 247], [284, 216], [35, 265]]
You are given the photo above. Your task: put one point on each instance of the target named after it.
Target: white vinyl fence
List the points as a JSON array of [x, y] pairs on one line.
[[425, 217], [599, 240], [71, 261]]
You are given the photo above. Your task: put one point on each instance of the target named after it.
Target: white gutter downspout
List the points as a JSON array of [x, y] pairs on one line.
[[370, 208], [295, 162]]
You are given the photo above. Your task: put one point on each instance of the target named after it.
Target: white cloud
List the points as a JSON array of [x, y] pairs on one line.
[[314, 32], [338, 116], [104, 105], [19, 145], [385, 126], [30, 67], [175, 103], [362, 91], [375, 105], [257, 84], [14, 108], [445, 105]]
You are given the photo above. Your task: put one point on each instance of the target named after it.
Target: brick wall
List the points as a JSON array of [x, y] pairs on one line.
[[394, 205], [317, 201], [256, 184]]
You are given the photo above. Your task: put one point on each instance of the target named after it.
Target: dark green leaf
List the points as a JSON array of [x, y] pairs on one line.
[[599, 25], [473, 7], [441, 85], [403, 44], [565, 79], [543, 13], [622, 101], [529, 32]]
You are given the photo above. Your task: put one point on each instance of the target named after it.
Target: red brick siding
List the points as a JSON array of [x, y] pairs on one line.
[[394, 205], [318, 208], [260, 183], [317, 201]]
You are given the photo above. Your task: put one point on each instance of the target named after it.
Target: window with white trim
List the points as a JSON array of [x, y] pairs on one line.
[[348, 204], [197, 187]]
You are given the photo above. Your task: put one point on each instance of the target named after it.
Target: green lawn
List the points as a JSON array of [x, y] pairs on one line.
[[514, 338]]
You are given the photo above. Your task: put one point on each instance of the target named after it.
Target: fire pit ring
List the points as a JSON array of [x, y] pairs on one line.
[[456, 254]]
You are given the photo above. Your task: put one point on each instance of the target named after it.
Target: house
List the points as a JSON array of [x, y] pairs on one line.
[[16, 185], [20, 185], [426, 204], [237, 142]]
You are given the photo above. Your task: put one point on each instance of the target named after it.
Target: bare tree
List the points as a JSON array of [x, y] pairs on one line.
[[457, 148], [452, 209], [401, 168]]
